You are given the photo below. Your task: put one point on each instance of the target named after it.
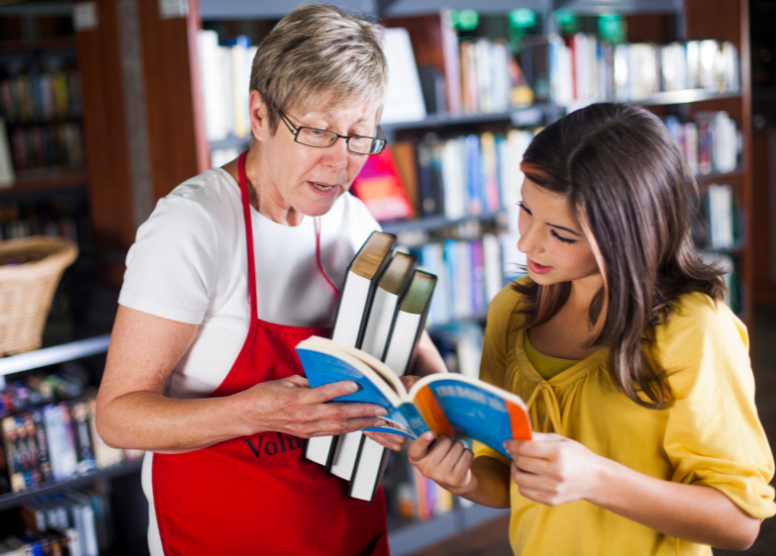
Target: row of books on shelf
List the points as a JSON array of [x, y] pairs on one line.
[[457, 177], [225, 71], [469, 275], [41, 97], [45, 147], [54, 217], [75, 522], [581, 68], [49, 431], [719, 222], [711, 143]]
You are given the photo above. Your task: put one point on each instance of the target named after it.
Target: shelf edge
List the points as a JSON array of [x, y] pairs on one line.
[[53, 355]]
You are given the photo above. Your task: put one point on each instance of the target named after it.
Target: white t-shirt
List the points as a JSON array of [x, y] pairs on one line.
[[189, 263]]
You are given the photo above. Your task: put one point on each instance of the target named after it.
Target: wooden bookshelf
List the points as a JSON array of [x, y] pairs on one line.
[[44, 183], [53, 43]]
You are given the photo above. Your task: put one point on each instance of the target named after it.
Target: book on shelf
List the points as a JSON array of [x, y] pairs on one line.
[[481, 76], [717, 226], [381, 187], [225, 68], [49, 433], [404, 97], [471, 175], [579, 69], [469, 274], [352, 312], [77, 520], [444, 403], [420, 498], [6, 165], [710, 143], [34, 97], [435, 45], [406, 163]]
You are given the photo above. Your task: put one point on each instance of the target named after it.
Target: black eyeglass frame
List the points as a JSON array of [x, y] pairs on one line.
[[382, 140]]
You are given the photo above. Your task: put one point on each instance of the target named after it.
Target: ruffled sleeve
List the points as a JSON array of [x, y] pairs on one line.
[[501, 316], [713, 435]]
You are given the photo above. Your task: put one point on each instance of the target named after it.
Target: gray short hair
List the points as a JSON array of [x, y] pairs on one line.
[[318, 52]]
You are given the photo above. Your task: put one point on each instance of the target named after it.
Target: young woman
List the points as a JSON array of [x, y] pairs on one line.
[[636, 374]]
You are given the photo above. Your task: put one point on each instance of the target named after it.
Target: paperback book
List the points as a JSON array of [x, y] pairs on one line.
[[447, 403]]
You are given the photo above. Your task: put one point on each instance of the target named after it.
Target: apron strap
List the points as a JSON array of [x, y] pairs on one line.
[[248, 236], [318, 227]]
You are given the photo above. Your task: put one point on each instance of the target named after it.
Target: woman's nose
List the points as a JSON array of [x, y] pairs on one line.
[[529, 242], [336, 156]]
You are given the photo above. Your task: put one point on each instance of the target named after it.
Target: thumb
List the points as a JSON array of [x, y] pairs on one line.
[[419, 448]]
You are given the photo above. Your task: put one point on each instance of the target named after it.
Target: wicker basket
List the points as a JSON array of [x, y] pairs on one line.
[[27, 289]]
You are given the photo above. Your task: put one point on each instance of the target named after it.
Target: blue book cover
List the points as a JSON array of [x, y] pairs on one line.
[[474, 164], [448, 403]]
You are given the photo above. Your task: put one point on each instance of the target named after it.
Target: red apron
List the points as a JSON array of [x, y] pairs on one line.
[[256, 495]]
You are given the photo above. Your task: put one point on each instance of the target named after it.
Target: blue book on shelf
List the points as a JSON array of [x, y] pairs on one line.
[[474, 165]]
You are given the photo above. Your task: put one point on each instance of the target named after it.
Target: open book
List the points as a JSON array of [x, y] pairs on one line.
[[447, 403]]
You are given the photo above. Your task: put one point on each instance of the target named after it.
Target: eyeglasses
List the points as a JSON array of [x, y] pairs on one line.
[[321, 138]]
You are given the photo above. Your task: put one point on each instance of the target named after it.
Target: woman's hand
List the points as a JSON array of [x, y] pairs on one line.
[[444, 460], [290, 406], [552, 469], [393, 441]]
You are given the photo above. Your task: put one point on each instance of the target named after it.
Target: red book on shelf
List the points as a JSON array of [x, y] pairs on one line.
[[381, 188]]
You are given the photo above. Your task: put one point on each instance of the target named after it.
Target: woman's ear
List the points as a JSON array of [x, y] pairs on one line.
[[259, 115]]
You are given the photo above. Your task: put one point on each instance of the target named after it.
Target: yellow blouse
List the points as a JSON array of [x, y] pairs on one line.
[[710, 436], [546, 365]]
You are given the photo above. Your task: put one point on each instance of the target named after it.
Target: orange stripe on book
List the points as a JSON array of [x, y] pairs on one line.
[[432, 413], [518, 418]]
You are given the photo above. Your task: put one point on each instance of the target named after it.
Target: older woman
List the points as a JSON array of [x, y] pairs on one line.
[[230, 272]]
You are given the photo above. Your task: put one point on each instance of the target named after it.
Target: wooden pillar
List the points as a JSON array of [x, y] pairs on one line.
[[143, 123]]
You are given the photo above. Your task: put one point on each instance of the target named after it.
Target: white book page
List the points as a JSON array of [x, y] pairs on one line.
[[404, 99]]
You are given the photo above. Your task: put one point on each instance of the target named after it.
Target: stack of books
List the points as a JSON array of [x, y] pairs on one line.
[[382, 311]]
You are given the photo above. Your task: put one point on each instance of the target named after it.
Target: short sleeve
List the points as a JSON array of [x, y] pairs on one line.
[[713, 434], [494, 353], [171, 266]]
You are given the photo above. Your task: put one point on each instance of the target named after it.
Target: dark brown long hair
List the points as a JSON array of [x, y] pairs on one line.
[[630, 189]]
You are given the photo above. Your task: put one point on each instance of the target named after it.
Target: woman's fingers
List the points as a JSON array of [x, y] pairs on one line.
[[328, 392], [391, 441]]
